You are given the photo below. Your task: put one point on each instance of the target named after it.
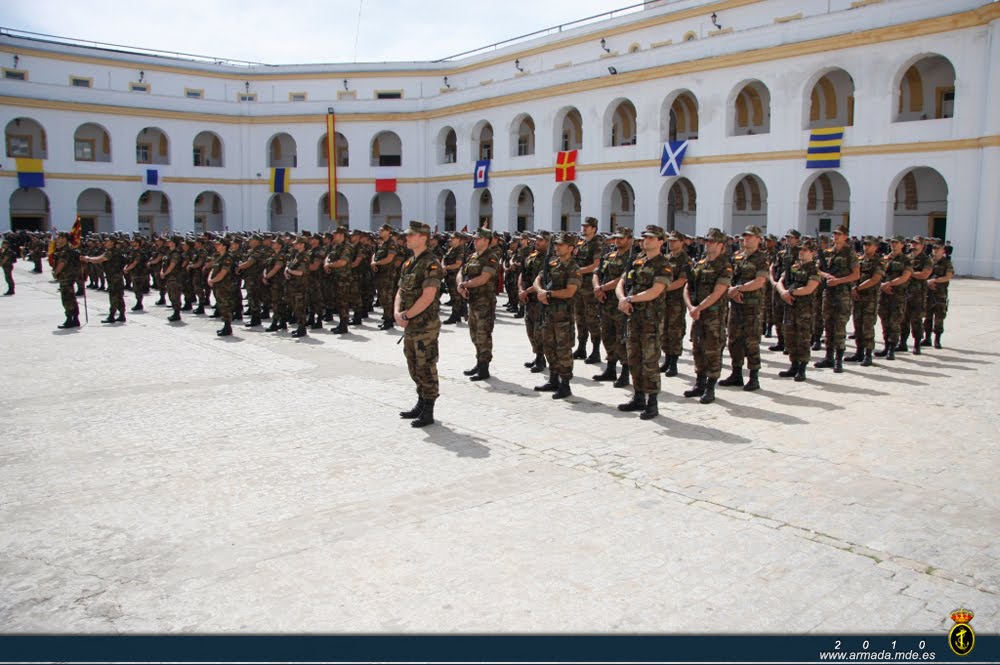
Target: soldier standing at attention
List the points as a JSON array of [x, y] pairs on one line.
[[170, 273], [865, 296], [798, 289], [274, 282], [384, 272], [613, 320], [114, 263], [221, 280], [453, 260], [250, 269], [526, 293], [415, 310], [745, 300], [786, 257], [842, 270], [937, 295], [477, 284], [338, 264], [588, 313], [8, 257], [66, 270], [138, 269], [704, 296], [916, 296], [674, 323], [555, 287], [297, 278], [892, 301], [644, 303], [771, 252]]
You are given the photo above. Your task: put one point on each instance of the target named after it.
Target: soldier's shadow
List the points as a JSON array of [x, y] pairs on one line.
[[498, 385], [938, 365], [891, 378], [792, 400], [231, 339], [744, 411], [351, 337], [463, 445], [677, 429], [310, 340], [909, 370], [585, 405], [970, 352], [68, 331], [842, 389]]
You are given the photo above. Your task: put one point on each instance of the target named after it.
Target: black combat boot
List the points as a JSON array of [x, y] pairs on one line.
[[885, 349], [916, 345], [817, 342], [563, 390], [549, 386], [9, 292], [316, 322], [520, 312], [937, 340], [892, 353], [253, 322], [356, 319], [456, 317], [79, 291], [780, 346], [651, 410], [791, 371], [672, 369], [111, 318], [216, 314], [68, 323], [199, 310], [666, 364], [176, 316], [595, 355], [927, 338], [482, 374], [768, 332], [827, 361], [300, 331], [867, 360], [901, 347], [225, 331], [858, 356], [426, 416], [637, 403], [581, 348], [754, 382], [121, 316], [709, 395], [540, 364], [531, 363], [734, 379], [415, 411], [609, 373], [341, 328], [800, 375], [137, 307], [274, 325], [838, 362], [622, 381], [161, 301], [472, 371], [699, 387], [187, 307]]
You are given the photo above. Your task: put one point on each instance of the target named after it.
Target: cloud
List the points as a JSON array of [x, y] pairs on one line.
[[304, 31]]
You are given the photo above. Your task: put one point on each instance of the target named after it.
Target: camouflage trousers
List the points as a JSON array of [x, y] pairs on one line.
[[557, 340], [674, 325], [891, 309], [201, 290], [315, 301], [916, 306], [385, 287], [708, 335], [588, 315], [254, 292], [8, 275], [819, 297], [645, 326], [613, 330], [298, 300], [67, 291], [343, 296], [778, 312], [224, 299], [865, 312], [452, 286], [767, 309], [532, 312], [173, 288], [276, 293], [482, 316], [744, 334], [937, 311], [421, 350], [116, 293], [798, 329], [836, 312], [187, 286]]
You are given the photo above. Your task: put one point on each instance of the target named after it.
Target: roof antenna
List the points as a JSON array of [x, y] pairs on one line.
[[357, 32]]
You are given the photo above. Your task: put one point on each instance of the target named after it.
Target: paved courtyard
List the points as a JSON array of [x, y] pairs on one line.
[[156, 478]]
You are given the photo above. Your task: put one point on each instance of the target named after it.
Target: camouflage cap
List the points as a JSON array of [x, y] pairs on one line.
[[938, 243], [341, 229], [794, 233], [675, 236], [870, 240], [772, 238], [306, 234], [808, 244], [300, 239], [562, 239], [386, 227], [622, 232], [543, 235], [176, 240], [753, 230], [842, 230], [418, 227], [484, 232], [899, 237], [653, 231], [590, 221], [258, 237], [919, 240], [715, 235]]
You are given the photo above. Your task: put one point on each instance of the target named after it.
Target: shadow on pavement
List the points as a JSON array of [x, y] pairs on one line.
[[463, 445]]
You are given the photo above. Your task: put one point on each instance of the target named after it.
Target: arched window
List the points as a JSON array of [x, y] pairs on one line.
[[26, 139], [926, 90]]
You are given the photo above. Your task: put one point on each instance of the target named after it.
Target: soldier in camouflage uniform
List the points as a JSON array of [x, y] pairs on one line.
[[138, 270], [797, 289], [359, 264], [588, 312], [113, 262], [170, 272], [315, 303], [274, 282], [771, 252], [534, 262], [338, 266], [916, 296], [297, 283], [221, 280], [841, 271], [8, 257], [383, 270], [613, 321], [674, 322], [937, 295], [250, 269], [750, 271], [704, 297], [892, 301], [642, 298], [188, 259], [822, 255], [556, 286], [786, 257], [67, 271], [416, 311], [865, 295], [201, 262], [453, 260], [478, 285]]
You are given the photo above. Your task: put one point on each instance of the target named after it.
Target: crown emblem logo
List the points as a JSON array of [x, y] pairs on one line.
[[962, 616]]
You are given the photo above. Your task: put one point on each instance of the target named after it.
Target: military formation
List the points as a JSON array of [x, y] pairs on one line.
[[630, 296]]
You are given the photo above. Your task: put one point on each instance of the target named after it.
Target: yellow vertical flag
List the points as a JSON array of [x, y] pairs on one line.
[[331, 169]]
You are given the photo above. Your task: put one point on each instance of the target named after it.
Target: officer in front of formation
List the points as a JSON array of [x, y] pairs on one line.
[[641, 297], [8, 257], [67, 270]]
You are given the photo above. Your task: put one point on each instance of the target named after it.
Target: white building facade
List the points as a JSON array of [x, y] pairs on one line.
[[915, 83]]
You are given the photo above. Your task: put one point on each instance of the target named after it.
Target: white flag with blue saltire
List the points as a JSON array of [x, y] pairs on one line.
[[673, 155]]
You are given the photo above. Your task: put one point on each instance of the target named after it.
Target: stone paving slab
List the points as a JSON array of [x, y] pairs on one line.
[[155, 478]]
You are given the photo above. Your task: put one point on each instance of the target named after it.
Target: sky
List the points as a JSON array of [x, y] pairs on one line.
[[300, 31]]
